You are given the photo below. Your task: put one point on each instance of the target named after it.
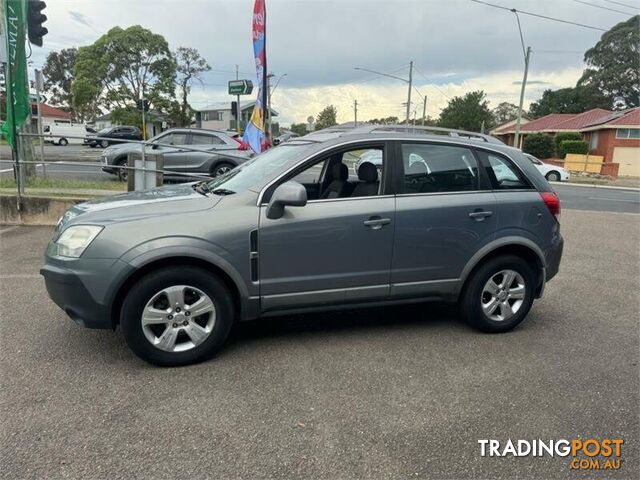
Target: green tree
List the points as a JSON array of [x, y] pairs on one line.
[[613, 64], [58, 76], [504, 112], [569, 100], [467, 113], [540, 145], [327, 118], [120, 66], [190, 66], [299, 128]]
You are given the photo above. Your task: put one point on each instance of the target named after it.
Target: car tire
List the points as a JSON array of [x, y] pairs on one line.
[[104, 143], [136, 304], [93, 145], [479, 296], [221, 168], [553, 176], [63, 142], [122, 173]]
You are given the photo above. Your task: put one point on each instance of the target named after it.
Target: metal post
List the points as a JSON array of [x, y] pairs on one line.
[[268, 112], [424, 110], [39, 88], [238, 109], [144, 148], [516, 138], [355, 113], [144, 120], [409, 91]]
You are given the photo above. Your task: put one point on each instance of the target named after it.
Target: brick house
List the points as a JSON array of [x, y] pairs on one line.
[[613, 135], [49, 114]]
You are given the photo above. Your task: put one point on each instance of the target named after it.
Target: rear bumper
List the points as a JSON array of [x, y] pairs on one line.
[[553, 257]]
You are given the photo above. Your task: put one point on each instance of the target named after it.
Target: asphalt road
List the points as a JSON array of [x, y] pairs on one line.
[[383, 393], [582, 197]]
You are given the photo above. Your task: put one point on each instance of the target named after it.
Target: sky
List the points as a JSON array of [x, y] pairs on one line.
[[456, 45]]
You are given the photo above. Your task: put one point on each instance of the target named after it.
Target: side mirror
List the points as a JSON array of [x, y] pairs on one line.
[[155, 146], [289, 194]]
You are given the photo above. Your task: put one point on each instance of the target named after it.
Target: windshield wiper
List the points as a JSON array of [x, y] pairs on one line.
[[222, 191], [201, 187]]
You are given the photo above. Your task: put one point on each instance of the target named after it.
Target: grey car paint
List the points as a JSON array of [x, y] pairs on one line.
[[201, 158], [319, 255]]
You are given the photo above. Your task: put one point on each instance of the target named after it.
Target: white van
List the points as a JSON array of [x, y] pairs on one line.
[[65, 133]]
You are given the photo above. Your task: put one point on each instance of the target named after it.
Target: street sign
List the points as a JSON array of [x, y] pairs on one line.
[[240, 87]]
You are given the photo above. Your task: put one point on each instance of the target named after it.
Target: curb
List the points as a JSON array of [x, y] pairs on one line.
[[586, 185]]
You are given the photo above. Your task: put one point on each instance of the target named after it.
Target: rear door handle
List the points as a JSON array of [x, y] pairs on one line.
[[480, 215], [376, 223]]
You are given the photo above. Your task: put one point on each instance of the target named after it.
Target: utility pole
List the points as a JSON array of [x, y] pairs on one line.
[[144, 119], [424, 109], [39, 87], [238, 109], [516, 138], [409, 91], [355, 113], [268, 113]]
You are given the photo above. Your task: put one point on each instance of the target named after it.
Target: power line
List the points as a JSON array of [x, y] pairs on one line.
[[600, 6], [513, 10], [434, 85], [621, 4]]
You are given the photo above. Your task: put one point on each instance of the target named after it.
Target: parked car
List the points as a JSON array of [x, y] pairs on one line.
[[91, 134], [120, 132], [175, 267], [285, 137], [65, 133], [551, 172], [212, 153]]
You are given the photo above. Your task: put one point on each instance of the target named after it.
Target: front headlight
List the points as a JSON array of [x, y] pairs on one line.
[[74, 240]]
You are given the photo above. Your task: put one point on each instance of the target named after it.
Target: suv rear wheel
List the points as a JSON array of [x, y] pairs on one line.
[[177, 316], [499, 294]]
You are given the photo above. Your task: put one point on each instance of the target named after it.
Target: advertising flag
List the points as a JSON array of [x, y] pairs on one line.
[[255, 133], [18, 106]]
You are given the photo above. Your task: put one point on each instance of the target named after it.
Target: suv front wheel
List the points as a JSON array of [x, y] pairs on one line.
[[499, 294], [177, 316]]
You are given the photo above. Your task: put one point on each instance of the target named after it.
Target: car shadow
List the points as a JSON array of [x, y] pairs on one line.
[[424, 314]]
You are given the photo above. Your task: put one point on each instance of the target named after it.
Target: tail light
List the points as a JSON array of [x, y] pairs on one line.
[[552, 202], [241, 145]]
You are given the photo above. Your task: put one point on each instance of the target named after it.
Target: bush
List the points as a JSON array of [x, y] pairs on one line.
[[562, 136], [573, 146], [539, 145]]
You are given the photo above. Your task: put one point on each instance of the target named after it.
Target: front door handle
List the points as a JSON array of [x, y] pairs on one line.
[[480, 215], [376, 223]]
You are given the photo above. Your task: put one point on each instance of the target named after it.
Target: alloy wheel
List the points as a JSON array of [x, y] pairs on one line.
[[503, 295], [178, 318]]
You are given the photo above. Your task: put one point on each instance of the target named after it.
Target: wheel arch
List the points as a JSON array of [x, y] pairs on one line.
[[520, 247], [151, 265]]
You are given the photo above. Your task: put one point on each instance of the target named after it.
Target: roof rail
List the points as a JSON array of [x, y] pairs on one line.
[[419, 129]]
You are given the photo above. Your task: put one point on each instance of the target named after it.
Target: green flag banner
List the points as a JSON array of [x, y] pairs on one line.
[[18, 105]]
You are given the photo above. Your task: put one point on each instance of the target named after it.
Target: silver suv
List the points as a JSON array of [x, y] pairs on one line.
[[450, 216]]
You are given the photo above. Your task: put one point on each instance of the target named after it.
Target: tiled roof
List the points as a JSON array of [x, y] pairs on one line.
[[581, 120], [631, 117], [49, 111]]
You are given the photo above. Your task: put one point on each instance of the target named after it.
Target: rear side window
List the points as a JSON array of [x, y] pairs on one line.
[[202, 139], [502, 173], [438, 168]]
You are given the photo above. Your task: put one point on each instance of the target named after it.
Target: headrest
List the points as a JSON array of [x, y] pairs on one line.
[[340, 172], [417, 168], [368, 172]]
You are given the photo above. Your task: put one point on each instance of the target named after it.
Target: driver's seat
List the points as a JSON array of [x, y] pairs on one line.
[[339, 187]]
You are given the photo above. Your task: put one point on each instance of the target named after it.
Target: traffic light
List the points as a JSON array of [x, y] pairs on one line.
[[234, 109], [142, 106], [35, 19]]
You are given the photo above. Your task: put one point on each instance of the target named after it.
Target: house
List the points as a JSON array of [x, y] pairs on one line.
[[219, 116], [49, 114], [156, 122], [613, 135]]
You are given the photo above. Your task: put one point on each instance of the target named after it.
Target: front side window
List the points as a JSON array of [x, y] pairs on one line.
[[345, 174], [502, 173], [175, 138], [438, 168]]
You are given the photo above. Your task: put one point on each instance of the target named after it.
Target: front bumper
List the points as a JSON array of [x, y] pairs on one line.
[[68, 292]]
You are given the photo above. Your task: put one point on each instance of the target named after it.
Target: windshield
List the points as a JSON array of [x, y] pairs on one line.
[[259, 169]]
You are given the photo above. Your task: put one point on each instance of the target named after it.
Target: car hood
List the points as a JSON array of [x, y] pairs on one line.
[[168, 200]]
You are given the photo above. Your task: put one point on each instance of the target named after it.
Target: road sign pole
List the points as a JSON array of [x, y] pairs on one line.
[[238, 109], [39, 88]]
